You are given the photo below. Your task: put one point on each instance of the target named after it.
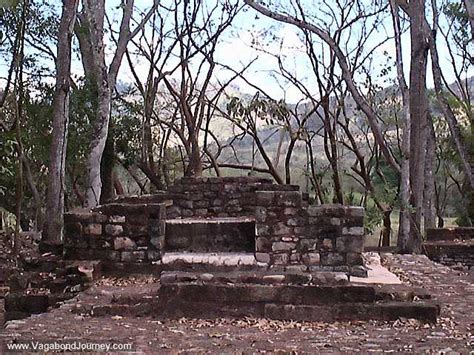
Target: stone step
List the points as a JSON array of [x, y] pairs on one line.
[[288, 302], [389, 311], [286, 294], [262, 277], [216, 259]]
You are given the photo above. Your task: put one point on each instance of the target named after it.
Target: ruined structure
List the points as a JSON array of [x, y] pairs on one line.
[[450, 246], [213, 215]]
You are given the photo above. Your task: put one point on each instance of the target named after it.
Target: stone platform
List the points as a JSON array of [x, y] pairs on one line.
[[292, 295], [451, 246], [228, 214]]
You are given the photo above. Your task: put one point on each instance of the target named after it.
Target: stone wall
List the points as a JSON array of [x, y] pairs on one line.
[[450, 246], [127, 233], [287, 232], [290, 234]]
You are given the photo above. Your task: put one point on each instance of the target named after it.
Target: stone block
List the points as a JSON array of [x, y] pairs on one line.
[[265, 198], [296, 222], [260, 214], [280, 259], [153, 255], [158, 242], [353, 244], [135, 231], [283, 246], [354, 259], [99, 243], [311, 259], [355, 211], [262, 257], [124, 243], [116, 219], [353, 231], [306, 245], [93, 229], [84, 216], [263, 244], [217, 202], [288, 199], [30, 304], [273, 279], [140, 220], [327, 244], [291, 211], [132, 256], [281, 229], [332, 259], [113, 229], [263, 230], [295, 256], [156, 227]]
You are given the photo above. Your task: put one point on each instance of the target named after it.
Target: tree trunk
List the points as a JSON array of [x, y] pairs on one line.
[[386, 228], [404, 220], [418, 119], [107, 170], [430, 195], [53, 232], [289, 154], [194, 167], [97, 145]]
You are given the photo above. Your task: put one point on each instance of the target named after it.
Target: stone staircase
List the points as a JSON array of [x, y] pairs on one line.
[[44, 282], [321, 296]]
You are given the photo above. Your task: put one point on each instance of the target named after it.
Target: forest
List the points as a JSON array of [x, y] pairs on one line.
[[359, 102]]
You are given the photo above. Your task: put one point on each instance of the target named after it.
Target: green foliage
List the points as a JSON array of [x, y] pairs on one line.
[[271, 111], [372, 218]]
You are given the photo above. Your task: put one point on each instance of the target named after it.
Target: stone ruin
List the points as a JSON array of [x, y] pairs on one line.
[[251, 215], [451, 246], [240, 246]]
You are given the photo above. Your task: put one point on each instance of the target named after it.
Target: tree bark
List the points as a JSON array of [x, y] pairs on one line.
[[418, 118], [107, 171], [404, 220], [105, 79], [429, 206], [53, 232]]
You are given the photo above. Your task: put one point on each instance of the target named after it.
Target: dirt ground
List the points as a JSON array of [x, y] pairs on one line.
[[452, 333]]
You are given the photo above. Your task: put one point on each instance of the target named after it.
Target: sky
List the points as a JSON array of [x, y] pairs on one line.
[[238, 48]]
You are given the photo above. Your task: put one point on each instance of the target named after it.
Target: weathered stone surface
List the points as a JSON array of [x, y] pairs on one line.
[[288, 199], [262, 257], [265, 198], [332, 259], [273, 279], [116, 219], [280, 259], [93, 229], [285, 228], [311, 258], [353, 231], [263, 244], [327, 244], [84, 216], [124, 243], [281, 229], [283, 246], [113, 229]]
